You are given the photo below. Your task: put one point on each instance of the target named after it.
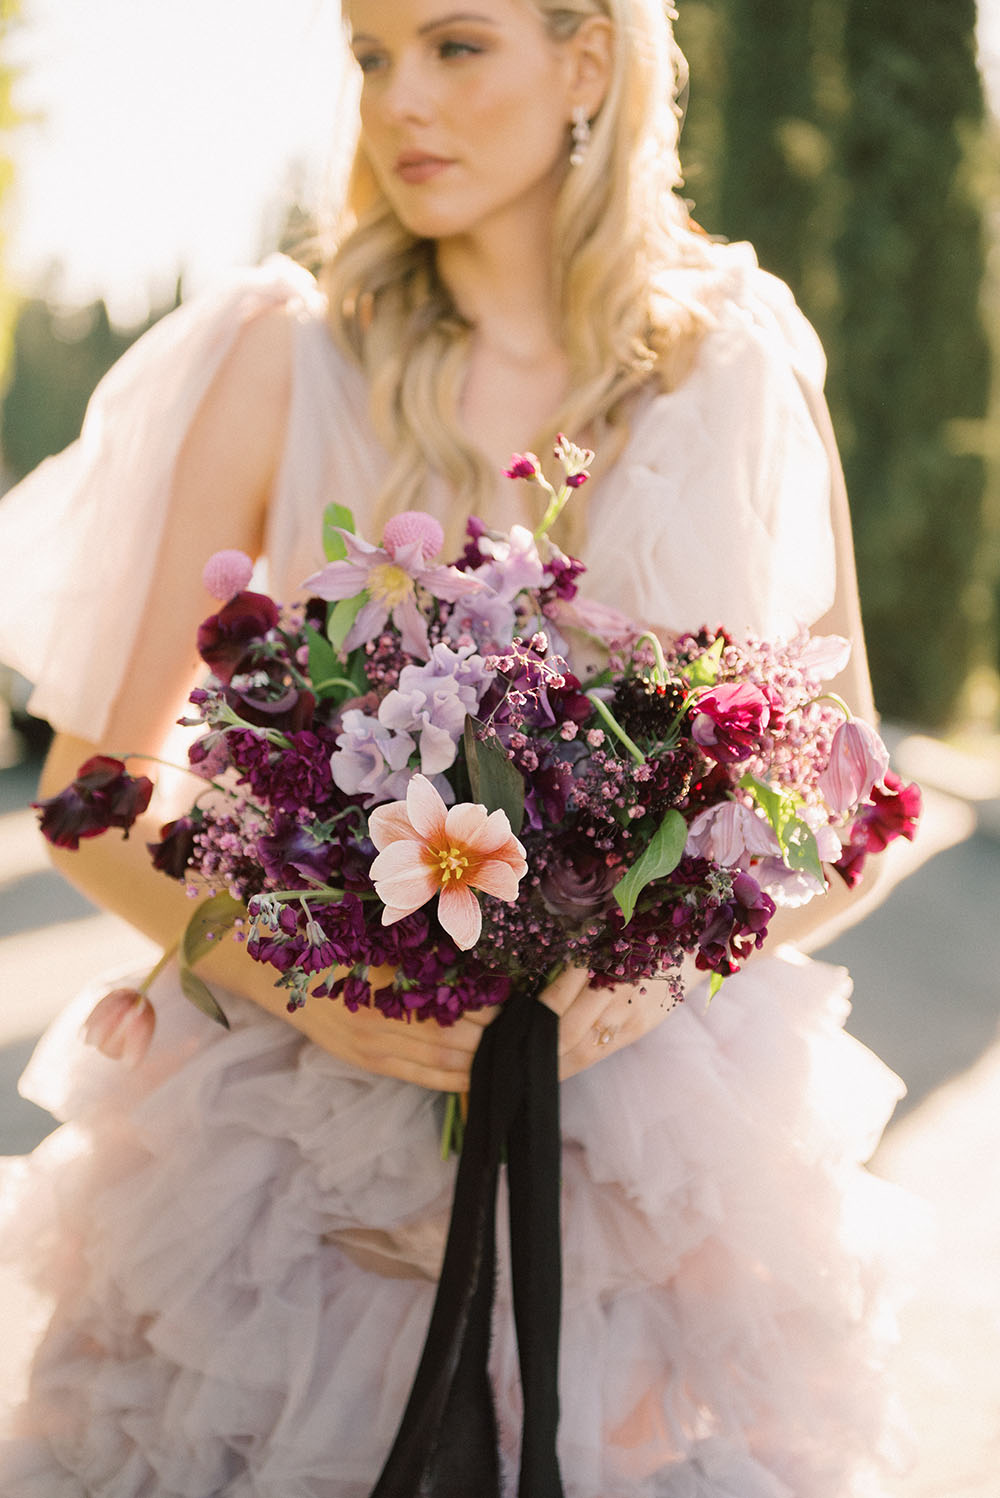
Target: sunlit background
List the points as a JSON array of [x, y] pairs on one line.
[[164, 137], [169, 136]]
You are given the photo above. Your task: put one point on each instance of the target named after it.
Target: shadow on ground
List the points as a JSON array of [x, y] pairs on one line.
[[924, 967]]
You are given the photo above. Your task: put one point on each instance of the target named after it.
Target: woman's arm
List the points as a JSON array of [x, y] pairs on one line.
[[224, 476]]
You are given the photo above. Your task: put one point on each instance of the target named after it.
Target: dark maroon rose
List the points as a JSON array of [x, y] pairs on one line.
[[103, 795], [173, 853], [577, 883], [225, 638]]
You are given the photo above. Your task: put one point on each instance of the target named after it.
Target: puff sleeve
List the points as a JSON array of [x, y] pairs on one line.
[[725, 489], [79, 536]]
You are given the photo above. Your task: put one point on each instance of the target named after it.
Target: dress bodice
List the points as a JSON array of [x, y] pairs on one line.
[[717, 510]]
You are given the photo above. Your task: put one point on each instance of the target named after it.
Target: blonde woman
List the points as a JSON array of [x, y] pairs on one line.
[[242, 1234]]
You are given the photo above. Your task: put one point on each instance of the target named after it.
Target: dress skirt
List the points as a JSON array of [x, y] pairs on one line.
[[240, 1238]]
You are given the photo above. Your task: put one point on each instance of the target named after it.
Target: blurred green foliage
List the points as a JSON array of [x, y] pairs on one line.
[[846, 139], [57, 358]]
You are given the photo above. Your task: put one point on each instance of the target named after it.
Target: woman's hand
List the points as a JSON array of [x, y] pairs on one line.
[[596, 1022], [426, 1053]]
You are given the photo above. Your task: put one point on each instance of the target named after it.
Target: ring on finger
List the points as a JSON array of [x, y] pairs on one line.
[[604, 1034]]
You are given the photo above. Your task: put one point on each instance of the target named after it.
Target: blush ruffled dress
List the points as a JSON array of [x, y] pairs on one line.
[[239, 1239]]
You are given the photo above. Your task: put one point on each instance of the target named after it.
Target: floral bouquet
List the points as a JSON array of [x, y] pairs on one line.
[[403, 777], [415, 796]]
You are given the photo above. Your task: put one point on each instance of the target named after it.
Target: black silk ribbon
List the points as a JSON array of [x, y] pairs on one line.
[[446, 1445]]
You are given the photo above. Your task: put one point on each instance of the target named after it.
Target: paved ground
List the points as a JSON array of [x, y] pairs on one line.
[[925, 965]]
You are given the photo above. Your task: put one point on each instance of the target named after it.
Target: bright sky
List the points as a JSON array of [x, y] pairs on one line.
[[167, 131], [167, 134]]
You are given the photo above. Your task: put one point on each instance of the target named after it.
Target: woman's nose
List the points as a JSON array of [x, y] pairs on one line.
[[407, 95]]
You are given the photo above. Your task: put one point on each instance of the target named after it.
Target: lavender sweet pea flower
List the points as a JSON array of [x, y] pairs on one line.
[[368, 756], [514, 566], [858, 762], [389, 574], [433, 701], [729, 720], [731, 835]]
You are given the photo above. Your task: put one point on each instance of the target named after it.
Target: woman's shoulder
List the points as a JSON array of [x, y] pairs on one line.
[[755, 367], [752, 315]]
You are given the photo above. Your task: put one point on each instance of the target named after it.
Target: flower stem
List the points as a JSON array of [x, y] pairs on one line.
[[837, 702], [660, 673], [554, 510], [608, 717], [168, 955]]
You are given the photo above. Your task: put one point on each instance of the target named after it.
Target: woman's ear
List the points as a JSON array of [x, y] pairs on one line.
[[592, 58]]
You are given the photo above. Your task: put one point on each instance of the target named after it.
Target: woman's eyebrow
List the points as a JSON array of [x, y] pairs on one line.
[[448, 20]]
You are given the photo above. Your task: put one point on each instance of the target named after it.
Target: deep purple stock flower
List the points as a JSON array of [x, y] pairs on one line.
[[225, 638], [102, 795], [728, 721]]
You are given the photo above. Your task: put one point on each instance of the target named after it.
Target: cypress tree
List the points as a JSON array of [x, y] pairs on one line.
[[775, 158], [915, 381]]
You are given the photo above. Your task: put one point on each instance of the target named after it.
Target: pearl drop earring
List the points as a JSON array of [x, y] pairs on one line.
[[580, 134]]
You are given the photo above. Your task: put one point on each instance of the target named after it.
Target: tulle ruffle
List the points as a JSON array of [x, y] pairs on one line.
[[240, 1240]]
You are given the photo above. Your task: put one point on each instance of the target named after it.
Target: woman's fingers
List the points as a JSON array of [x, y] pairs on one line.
[[563, 991], [424, 1052]]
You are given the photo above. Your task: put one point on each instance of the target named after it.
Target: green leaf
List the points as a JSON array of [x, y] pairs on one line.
[[324, 665], [201, 996], [340, 618], [715, 983], [496, 783], [704, 671], [800, 849], [334, 516], [660, 857], [796, 839], [210, 920]]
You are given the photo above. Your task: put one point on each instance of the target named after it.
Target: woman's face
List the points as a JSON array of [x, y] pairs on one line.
[[465, 110]]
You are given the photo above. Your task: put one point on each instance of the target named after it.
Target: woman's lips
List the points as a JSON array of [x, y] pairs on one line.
[[420, 168]]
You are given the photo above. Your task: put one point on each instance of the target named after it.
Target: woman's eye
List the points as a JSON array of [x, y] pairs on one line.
[[369, 62], [457, 49]]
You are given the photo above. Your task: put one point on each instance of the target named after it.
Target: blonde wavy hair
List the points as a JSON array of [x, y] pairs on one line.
[[620, 226]]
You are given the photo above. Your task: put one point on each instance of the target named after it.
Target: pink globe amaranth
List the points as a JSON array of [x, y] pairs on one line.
[[121, 1026], [227, 573], [410, 526]]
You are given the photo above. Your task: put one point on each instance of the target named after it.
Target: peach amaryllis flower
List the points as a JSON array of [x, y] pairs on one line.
[[427, 848]]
